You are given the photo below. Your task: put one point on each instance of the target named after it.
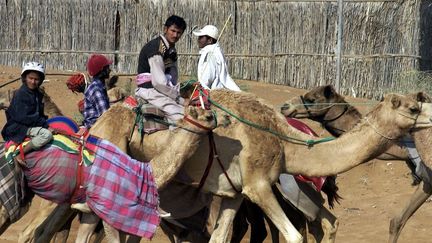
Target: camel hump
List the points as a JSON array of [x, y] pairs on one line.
[[297, 124]]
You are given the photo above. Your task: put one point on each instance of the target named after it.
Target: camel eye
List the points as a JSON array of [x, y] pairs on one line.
[[414, 110], [309, 100]]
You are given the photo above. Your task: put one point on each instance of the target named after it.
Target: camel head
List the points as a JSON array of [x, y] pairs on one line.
[[421, 97], [313, 104], [397, 114], [197, 120], [116, 94], [6, 98]]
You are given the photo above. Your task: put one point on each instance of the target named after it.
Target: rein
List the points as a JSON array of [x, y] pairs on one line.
[[186, 118], [213, 154]]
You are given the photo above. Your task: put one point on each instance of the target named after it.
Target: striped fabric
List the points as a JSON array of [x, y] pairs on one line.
[[11, 189], [51, 174], [119, 189], [122, 191]]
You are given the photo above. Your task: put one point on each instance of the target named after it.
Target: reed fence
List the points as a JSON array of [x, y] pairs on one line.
[[287, 42]]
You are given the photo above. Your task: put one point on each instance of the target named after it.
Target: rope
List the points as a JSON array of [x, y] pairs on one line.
[[308, 142], [9, 82], [355, 103]]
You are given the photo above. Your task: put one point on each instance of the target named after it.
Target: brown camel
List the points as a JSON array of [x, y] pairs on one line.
[[342, 117], [254, 166]]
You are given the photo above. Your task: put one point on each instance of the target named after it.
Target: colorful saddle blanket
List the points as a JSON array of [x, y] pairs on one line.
[[119, 189]]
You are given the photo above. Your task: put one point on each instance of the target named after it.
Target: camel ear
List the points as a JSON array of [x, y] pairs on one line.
[[423, 97], [329, 91], [112, 82], [395, 100], [191, 111]]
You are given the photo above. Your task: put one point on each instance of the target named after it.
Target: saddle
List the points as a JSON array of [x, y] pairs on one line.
[[149, 119]]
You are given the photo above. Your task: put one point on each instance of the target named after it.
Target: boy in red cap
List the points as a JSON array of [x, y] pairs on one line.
[[96, 99]]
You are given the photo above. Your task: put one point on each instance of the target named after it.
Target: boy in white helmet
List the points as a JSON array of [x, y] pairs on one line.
[[212, 69], [25, 115]]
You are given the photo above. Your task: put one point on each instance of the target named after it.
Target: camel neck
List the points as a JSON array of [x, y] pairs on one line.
[[337, 156]]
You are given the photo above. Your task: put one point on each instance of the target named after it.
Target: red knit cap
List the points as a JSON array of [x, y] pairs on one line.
[[76, 83], [96, 63]]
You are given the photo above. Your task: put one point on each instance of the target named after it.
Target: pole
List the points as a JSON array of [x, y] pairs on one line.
[[339, 46]]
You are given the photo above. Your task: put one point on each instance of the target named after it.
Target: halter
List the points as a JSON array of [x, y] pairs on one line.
[[305, 105], [400, 113], [186, 118], [325, 122], [117, 100]]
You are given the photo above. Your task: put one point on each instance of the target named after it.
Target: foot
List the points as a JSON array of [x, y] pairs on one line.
[[83, 207], [19, 160], [163, 213]]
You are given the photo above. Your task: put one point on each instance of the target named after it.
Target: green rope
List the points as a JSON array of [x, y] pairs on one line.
[[355, 103], [187, 84], [309, 142]]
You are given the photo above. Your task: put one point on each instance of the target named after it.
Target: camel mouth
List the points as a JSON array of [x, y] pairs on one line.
[[289, 110], [424, 120]]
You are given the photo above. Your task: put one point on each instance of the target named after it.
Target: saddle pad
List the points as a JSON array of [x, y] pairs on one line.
[[318, 182], [150, 118]]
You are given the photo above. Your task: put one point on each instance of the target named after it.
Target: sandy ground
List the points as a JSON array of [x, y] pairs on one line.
[[373, 193]]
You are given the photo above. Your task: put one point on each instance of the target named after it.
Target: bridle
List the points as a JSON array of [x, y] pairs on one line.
[[400, 113], [323, 121], [186, 118], [305, 105]]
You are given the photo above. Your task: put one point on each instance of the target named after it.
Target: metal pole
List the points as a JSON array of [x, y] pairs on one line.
[[339, 46]]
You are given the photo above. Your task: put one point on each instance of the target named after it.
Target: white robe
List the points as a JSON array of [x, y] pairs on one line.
[[212, 69]]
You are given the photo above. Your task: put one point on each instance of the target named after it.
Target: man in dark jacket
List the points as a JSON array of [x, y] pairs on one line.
[[25, 115]]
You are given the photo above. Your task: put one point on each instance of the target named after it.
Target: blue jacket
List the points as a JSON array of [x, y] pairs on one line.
[[26, 110]]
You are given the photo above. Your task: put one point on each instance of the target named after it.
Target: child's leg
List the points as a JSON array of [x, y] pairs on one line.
[[39, 137]]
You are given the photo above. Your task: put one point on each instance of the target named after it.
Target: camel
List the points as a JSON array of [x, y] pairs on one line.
[[117, 94], [253, 167], [51, 110], [339, 119]]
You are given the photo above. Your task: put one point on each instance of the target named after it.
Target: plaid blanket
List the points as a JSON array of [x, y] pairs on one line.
[[11, 188], [122, 191], [51, 174], [119, 189]]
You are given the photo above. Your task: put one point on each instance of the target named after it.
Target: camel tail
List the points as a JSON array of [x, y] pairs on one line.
[[330, 189]]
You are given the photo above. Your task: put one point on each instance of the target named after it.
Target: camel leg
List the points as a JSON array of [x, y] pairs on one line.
[[88, 223], [255, 216], [4, 216], [260, 192], [53, 223], [240, 224], [420, 196], [324, 228], [113, 235], [227, 212]]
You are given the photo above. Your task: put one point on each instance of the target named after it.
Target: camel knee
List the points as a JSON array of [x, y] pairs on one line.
[[329, 230], [395, 225], [3, 216]]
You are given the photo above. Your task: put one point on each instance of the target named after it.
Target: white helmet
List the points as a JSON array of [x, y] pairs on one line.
[[33, 66]]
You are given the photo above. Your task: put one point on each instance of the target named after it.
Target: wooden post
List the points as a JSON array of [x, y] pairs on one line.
[[339, 46]]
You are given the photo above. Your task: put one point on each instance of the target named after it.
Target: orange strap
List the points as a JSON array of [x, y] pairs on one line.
[[21, 149]]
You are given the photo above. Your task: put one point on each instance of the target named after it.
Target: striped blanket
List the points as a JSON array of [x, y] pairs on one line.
[[122, 192], [119, 189], [13, 195]]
